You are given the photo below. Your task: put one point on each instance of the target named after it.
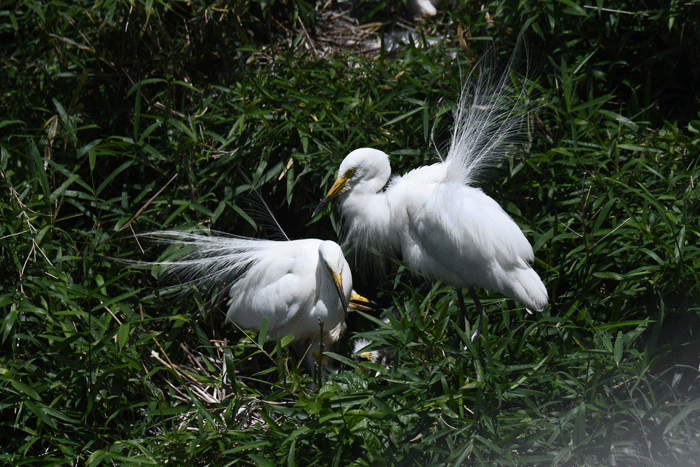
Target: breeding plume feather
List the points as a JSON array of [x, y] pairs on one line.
[[436, 217]]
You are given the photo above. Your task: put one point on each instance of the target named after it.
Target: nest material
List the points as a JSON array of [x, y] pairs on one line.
[[338, 29]]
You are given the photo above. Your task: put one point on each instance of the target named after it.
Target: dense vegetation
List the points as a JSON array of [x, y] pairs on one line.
[[120, 117]]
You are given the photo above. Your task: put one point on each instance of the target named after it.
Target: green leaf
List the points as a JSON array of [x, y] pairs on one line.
[[41, 413], [618, 347], [261, 461], [25, 389], [682, 414], [608, 275], [123, 335]]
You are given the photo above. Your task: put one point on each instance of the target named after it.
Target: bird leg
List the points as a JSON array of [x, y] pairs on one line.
[[462, 308], [319, 361], [482, 315]]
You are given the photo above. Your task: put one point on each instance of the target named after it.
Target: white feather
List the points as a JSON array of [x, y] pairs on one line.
[[486, 122]]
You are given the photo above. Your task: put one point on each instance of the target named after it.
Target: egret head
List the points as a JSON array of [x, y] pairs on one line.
[[363, 170], [332, 258], [361, 349], [358, 349]]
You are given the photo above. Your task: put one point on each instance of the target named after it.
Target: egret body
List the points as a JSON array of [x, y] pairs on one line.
[[295, 284]]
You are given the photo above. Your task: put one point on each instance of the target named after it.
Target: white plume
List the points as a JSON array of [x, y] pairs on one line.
[[486, 120], [208, 261]]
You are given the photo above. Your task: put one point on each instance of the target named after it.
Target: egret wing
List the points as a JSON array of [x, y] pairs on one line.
[[464, 237], [278, 285]]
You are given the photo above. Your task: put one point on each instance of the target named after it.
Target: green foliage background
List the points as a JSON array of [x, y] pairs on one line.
[[121, 117]]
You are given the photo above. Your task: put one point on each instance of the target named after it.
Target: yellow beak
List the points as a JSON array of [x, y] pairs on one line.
[[338, 281], [360, 303], [335, 190]]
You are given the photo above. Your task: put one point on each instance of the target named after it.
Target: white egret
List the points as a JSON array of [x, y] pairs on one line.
[[295, 284], [444, 226]]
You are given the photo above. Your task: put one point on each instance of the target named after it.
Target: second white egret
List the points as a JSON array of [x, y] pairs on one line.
[[444, 226], [295, 284]]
